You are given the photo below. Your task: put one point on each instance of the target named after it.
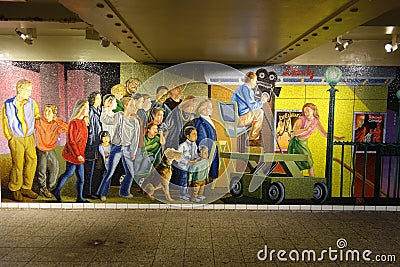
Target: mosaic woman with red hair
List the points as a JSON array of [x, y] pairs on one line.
[[303, 127]]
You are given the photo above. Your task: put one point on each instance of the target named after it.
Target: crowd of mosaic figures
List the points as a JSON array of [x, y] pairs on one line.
[[104, 130], [128, 127]]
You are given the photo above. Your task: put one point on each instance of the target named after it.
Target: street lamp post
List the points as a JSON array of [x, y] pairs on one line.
[[333, 75]]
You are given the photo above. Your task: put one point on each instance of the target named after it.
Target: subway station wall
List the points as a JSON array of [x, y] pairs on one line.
[[364, 91]]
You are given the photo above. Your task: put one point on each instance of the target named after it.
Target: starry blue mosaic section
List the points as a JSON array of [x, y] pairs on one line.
[[109, 72], [295, 74]]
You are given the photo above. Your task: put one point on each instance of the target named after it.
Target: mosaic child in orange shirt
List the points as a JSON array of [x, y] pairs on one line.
[[47, 131]]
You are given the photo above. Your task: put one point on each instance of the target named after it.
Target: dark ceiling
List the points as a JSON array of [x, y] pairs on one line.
[[226, 31]]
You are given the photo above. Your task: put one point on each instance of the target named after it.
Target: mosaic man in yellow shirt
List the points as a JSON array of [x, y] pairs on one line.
[[18, 122]]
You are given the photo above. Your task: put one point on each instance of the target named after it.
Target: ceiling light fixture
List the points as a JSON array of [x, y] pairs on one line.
[[392, 46], [92, 34], [104, 42], [342, 44], [389, 30], [339, 47], [28, 36]]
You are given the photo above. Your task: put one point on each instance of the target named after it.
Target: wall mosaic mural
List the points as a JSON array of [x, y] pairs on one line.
[[197, 132]]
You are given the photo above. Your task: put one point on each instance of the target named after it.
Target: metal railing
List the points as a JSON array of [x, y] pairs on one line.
[[369, 170]]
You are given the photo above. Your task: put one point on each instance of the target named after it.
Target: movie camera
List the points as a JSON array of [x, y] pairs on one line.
[[266, 84]]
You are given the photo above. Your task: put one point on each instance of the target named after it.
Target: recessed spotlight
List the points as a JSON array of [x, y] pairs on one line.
[[124, 31], [118, 24], [110, 16], [338, 19], [104, 42], [314, 34], [389, 29], [342, 44], [354, 9], [325, 28], [305, 40], [26, 37], [388, 47], [100, 5], [347, 43], [393, 45]]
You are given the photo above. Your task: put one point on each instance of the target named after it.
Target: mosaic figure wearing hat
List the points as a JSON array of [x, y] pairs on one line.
[[175, 97], [176, 120]]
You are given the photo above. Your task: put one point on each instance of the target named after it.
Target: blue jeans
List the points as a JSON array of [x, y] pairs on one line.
[[69, 171], [89, 170], [116, 153], [182, 178], [143, 164]]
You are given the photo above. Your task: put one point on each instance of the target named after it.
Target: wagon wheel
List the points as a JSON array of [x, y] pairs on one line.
[[320, 192], [275, 193], [236, 187]]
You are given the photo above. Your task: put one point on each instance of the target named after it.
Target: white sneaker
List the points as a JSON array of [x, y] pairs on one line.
[[184, 198], [103, 198], [202, 198], [196, 199], [129, 196]]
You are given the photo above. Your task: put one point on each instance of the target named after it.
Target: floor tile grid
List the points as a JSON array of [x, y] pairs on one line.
[[240, 227]]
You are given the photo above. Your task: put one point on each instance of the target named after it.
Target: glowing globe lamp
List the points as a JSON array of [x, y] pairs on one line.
[[333, 75]]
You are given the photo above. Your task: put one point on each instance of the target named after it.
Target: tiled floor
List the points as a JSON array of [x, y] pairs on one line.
[[44, 237]]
